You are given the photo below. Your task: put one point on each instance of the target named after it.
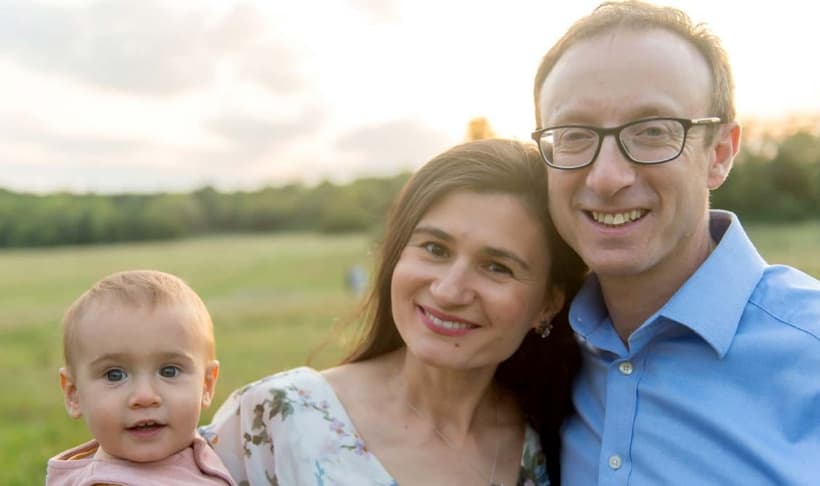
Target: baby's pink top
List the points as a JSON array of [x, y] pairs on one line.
[[195, 465]]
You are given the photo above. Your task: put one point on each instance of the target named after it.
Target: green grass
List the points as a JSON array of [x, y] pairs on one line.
[[797, 244], [274, 298]]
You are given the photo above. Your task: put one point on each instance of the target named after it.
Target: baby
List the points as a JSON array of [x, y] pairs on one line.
[[139, 367]]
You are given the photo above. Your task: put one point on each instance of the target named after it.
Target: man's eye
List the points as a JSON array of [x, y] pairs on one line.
[[577, 136], [434, 249], [170, 371], [653, 131], [115, 374]]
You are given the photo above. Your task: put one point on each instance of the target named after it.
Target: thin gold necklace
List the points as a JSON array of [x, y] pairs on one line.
[[449, 444]]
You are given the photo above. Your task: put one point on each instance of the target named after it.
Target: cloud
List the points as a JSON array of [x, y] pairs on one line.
[[140, 47], [379, 10], [29, 131], [272, 66], [253, 135], [90, 177], [393, 146]]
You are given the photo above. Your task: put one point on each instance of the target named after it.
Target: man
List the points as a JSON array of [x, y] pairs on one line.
[[701, 361]]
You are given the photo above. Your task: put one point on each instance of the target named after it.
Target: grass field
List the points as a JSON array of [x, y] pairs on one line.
[[274, 298]]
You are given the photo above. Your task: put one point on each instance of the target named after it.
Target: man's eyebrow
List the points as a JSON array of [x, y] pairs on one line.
[[575, 116]]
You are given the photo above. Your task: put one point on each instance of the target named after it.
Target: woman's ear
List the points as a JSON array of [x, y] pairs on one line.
[[71, 395], [209, 385], [553, 302]]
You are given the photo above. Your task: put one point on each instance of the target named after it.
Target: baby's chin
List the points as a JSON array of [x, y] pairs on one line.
[[143, 454]]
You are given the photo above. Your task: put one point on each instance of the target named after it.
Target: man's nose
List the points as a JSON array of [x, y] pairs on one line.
[[611, 171]]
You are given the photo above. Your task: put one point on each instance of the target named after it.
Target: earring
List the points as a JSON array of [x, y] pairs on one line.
[[544, 329]]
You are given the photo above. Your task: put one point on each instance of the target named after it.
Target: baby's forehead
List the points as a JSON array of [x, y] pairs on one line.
[[110, 305], [112, 315]]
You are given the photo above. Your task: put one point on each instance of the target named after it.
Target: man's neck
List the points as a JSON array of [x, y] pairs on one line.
[[632, 299]]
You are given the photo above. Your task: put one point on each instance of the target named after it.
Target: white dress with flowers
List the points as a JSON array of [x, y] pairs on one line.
[[291, 429]]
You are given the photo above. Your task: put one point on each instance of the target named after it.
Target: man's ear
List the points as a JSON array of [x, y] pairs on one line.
[[726, 147], [209, 385], [553, 302], [71, 395]]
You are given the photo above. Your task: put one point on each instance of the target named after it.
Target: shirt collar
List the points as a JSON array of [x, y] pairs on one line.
[[589, 318], [713, 299], [710, 302]]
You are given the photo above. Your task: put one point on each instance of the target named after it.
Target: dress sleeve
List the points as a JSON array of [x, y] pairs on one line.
[[239, 433]]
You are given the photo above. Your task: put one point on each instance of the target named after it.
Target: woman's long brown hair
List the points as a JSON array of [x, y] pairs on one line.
[[540, 372]]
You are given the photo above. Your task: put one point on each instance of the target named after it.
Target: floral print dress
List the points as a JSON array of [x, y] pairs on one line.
[[291, 429]]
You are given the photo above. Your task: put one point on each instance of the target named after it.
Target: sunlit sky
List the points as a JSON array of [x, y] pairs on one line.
[[112, 96]]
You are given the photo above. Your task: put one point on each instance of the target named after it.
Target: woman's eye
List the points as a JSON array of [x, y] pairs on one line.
[[499, 268], [434, 249], [169, 371], [115, 374]]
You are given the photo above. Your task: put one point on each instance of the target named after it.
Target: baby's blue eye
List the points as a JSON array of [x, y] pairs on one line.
[[169, 371], [115, 374]]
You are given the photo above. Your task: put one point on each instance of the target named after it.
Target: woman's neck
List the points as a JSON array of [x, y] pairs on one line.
[[455, 402]]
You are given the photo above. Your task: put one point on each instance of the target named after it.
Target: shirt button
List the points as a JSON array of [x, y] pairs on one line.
[[615, 461], [625, 368]]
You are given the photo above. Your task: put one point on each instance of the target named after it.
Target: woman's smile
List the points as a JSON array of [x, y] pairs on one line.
[[447, 326]]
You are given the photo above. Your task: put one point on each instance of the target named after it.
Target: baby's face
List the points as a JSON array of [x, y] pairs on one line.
[[141, 378]]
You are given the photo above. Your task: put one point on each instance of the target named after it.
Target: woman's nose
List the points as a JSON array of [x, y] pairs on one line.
[[453, 285]]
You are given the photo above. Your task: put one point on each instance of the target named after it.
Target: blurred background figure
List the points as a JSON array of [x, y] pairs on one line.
[[356, 279]]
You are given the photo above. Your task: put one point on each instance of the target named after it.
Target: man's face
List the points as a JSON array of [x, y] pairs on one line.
[[625, 219]]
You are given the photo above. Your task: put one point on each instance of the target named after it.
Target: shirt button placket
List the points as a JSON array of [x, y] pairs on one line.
[[621, 396]]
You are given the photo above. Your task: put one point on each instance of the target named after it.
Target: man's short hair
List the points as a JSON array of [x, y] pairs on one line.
[[636, 15]]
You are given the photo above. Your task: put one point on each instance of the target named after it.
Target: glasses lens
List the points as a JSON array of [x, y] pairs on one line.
[[569, 146], [653, 140]]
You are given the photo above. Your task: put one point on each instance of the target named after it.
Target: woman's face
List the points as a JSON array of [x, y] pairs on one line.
[[472, 281]]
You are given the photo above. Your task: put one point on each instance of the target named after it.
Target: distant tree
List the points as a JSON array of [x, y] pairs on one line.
[[479, 129], [171, 216], [774, 181]]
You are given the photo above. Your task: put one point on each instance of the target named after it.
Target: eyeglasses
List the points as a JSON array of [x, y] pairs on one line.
[[646, 141]]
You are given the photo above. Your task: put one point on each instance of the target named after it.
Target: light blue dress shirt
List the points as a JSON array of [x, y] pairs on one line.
[[721, 386]]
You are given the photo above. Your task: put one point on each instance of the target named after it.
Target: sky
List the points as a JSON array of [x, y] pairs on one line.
[[122, 96]]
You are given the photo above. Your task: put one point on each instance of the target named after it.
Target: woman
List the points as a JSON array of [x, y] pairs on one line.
[[451, 381]]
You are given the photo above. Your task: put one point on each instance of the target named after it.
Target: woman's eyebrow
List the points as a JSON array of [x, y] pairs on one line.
[[433, 231], [500, 253]]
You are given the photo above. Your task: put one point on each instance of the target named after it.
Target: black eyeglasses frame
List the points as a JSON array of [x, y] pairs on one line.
[[687, 124]]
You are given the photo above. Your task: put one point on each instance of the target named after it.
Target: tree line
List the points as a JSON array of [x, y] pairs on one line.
[[28, 220], [771, 181]]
